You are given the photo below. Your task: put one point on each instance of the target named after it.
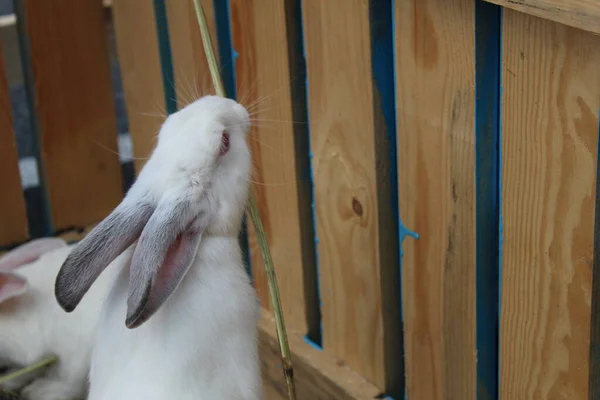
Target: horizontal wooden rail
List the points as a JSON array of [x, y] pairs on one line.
[[318, 375], [582, 14]]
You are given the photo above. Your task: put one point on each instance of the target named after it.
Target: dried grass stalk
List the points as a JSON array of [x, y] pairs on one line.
[[284, 348]]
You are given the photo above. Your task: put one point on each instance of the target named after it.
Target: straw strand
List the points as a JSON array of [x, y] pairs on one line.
[[256, 220]]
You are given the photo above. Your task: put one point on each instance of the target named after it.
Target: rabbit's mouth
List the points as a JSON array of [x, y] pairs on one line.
[[224, 144]]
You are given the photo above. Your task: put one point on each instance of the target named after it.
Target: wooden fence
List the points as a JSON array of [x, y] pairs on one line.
[[426, 171]]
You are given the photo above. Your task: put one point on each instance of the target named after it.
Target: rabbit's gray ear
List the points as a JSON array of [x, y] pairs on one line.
[[164, 253], [98, 249]]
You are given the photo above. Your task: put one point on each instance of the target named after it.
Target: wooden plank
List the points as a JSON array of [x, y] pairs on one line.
[[75, 109], [435, 92], [551, 97], [192, 76], [9, 20], [582, 14], [137, 49], [317, 375], [263, 72], [13, 216], [346, 167]]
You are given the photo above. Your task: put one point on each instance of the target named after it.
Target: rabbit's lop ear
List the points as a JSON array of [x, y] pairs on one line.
[[29, 252], [11, 285], [163, 255], [98, 249]]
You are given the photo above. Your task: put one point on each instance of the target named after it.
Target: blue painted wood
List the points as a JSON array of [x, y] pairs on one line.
[[487, 189], [304, 171], [316, 338], [164, 50], [383, 69], [227, 53], [227, 56], [40, 215]]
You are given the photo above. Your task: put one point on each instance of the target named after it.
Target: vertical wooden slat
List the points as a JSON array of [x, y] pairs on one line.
[[263, 72], [75, 109], [192, 76], [13, 217], [344, 140], [435, 90], [551, 98], [137, 48]]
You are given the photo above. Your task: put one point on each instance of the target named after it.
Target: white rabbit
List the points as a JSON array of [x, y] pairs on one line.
[[181, 319], [33, 326]]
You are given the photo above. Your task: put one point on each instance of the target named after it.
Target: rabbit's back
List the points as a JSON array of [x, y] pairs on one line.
[[34, 326]]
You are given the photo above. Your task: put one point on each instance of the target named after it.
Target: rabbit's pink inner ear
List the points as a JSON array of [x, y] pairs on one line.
[[29, 252], [11, 286], [177, 262]]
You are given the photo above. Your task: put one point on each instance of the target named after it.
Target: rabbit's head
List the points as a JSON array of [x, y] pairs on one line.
[[194, 183]]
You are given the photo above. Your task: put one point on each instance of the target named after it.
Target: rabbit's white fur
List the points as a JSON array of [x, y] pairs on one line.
[[201, 343], [32, 326]]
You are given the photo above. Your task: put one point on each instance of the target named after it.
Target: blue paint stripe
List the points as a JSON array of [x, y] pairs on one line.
[[227, 56], [487, 193], [383, 70], [225, 49], [403, 231], [39, 214], [316, 341], [164, 49], [500, 218]]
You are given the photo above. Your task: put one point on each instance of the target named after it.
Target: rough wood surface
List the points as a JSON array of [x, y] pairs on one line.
[[192, 76], [550, 104], [137, 49], [435, 80], [263, 84], [344, 132], [582, 14], [75, 109], [318, 376], [13, 216]]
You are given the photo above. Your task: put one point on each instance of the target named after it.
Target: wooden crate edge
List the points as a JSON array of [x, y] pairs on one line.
[[572, 12], [317, 375]]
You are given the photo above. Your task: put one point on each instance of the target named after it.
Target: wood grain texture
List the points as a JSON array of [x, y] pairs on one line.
[[550, 106], [192, 76], [435, 92], [317, 375], [13, 216], [137, 50], [263, 77], [582, 14], [344, 134], [75, 109]]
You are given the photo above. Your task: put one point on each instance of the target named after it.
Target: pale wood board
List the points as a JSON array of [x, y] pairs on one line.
[[318, 375], [263, 84], [550, 104], [581, 14], [13, 216], [436, 140], [345, 161], [75, 108], [137, 50], [190, 68]]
